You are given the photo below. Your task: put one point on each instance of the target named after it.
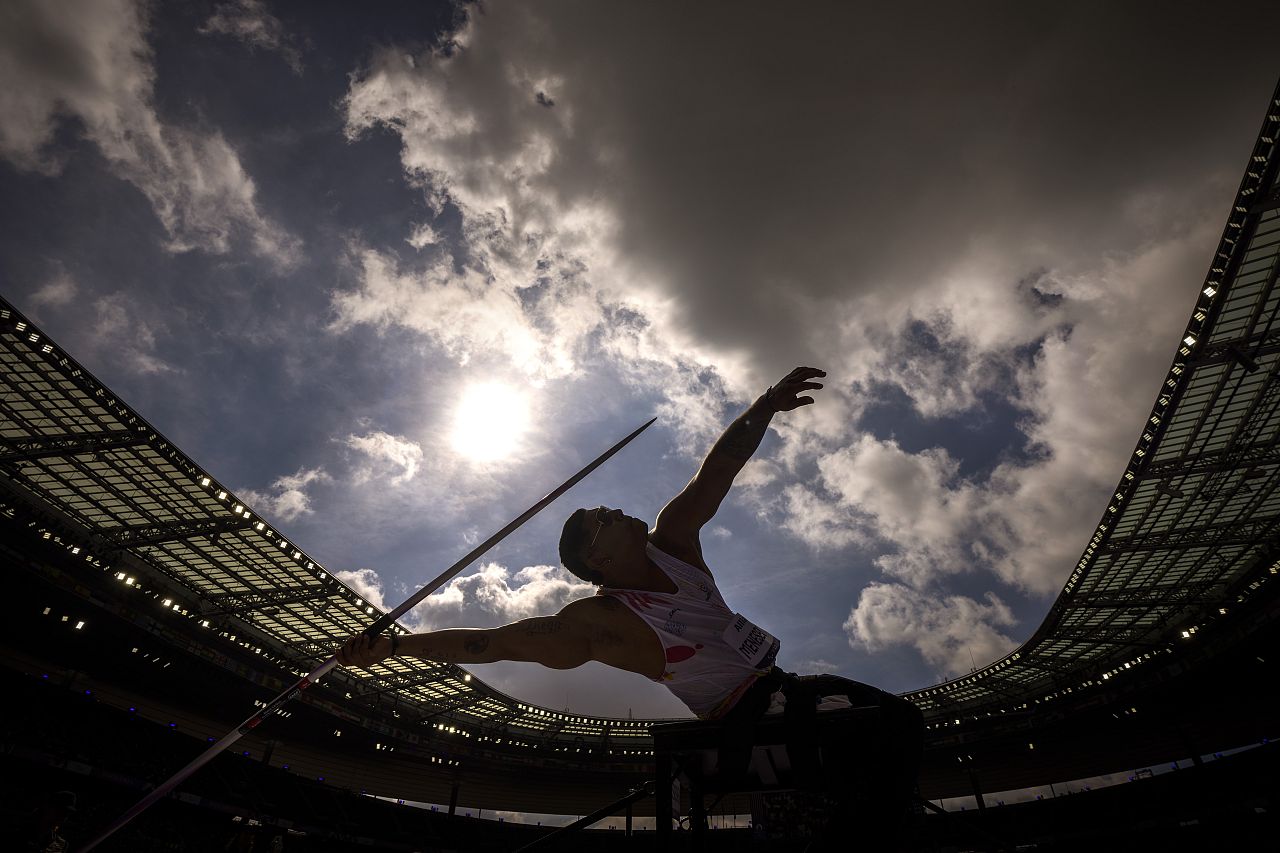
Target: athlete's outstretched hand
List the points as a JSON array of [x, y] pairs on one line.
[[784, 396], [364, 651]]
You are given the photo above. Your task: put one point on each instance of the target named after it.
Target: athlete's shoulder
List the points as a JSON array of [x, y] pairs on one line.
[[591, 607]]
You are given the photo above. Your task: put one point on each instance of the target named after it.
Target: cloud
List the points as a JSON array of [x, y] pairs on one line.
[[468, 315], [286, 499], [56, 292], [954, 633], [125, 332], [494, 595], [696, 222], [386, 453], [817, 521], [248, 21], [782, 208], [89, 61], [1083, 391], [367, 583], [490, 596]]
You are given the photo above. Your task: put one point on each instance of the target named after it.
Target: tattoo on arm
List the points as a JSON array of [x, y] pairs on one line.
[[546, 625], [476, 645]]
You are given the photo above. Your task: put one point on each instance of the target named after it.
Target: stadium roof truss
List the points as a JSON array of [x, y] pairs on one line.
[[91, 468], [1188, 533]]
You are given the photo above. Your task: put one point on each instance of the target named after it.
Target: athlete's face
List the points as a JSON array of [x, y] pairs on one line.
[[609, 531]]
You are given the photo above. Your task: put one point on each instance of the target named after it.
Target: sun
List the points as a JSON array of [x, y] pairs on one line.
[[489, 422]]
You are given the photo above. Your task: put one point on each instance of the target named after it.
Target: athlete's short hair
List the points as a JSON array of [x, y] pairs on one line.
[[571, 542]]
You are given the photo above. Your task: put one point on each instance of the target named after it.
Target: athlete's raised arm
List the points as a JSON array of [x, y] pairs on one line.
[[676, 529]]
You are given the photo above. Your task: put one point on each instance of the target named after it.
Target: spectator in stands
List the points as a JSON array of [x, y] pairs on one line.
[[659, 613]]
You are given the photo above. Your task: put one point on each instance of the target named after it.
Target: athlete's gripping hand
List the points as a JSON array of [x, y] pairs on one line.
[[785, 396], [364, 651]]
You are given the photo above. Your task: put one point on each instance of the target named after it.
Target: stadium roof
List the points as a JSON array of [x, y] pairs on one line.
[[72, 449], [1187, 535], [1190, 531]]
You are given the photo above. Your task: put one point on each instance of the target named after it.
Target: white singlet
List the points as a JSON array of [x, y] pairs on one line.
[[712, 654]]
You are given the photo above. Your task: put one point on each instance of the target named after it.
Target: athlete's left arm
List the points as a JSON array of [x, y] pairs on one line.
[[677, 527]]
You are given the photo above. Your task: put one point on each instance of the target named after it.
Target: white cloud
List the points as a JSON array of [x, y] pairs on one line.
[[916, 502], [386, 453], [367, 583], [953, 633], [125, 333], [57, 291], [423, 235], [251, 23], [90, 61], [815, 519], [469, 315], [494, 595], [1085, 393], [286, 499]]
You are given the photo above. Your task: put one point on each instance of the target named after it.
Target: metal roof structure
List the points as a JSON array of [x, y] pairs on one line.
[[109, 481], [1189, 533]]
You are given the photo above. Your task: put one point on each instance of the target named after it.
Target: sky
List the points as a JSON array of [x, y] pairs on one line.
[[392, 271]]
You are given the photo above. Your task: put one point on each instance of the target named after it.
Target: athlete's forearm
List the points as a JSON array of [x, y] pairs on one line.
[[744, 435], [453, 645]]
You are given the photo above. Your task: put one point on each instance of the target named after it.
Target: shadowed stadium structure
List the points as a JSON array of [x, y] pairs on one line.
[[151, 609]]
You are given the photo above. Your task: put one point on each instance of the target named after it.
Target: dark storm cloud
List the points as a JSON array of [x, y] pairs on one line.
[[765, 163]]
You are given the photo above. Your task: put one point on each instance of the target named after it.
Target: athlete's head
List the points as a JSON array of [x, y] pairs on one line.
[[595, 541], [573, 546]]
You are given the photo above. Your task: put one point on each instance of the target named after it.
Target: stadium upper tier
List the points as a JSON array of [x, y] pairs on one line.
[[1187, 536]]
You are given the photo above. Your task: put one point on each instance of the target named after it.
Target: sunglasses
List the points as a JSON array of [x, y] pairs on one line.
[[603, 520]]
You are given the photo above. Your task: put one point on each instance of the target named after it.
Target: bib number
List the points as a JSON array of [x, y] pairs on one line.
[[750, 641]]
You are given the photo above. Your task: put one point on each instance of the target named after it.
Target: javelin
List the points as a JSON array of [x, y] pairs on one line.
[[383, 622]]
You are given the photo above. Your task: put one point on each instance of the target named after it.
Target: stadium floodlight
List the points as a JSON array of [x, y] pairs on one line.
[[381, 624]]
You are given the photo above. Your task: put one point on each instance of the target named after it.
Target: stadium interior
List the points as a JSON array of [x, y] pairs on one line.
[[152, 611]]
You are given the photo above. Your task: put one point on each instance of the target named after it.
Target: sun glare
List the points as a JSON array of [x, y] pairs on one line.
[[489, 421]]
